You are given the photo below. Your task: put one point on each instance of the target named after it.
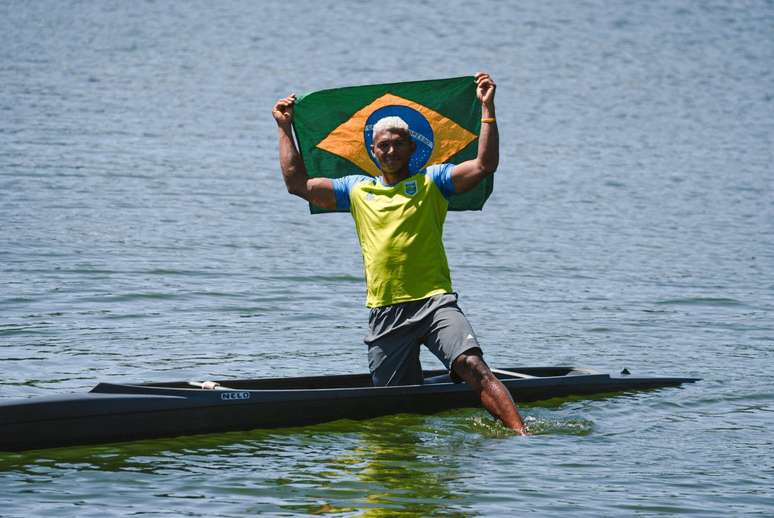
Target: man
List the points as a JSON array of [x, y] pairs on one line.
[[399, 221]]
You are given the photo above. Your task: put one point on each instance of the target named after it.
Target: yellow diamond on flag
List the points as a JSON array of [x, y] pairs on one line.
[[349, 139]]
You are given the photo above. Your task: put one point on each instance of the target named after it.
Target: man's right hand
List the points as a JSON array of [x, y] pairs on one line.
[[283, 110], [318, 191]]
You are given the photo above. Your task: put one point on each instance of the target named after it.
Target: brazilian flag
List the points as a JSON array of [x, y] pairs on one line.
[[334, 129]]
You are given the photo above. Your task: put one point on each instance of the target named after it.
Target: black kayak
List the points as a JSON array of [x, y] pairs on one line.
[[125, 412]]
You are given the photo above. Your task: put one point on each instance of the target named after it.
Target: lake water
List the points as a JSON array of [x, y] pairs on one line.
[[145, 234]]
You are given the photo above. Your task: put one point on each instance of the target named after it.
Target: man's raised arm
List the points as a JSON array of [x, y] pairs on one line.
[[318, 191], [467, 175]]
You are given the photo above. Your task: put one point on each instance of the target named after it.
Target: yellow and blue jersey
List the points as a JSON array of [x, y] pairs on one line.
[[400, 228]]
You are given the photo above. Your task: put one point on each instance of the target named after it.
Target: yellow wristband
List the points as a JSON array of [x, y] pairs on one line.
[[489, 119]]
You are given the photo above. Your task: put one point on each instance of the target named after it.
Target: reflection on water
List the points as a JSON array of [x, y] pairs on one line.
[[403, 465]]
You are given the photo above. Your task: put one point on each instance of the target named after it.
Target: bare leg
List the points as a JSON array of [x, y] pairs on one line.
[[494, 396]]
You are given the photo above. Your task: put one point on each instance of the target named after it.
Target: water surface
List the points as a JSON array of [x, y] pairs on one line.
[[145, 234]]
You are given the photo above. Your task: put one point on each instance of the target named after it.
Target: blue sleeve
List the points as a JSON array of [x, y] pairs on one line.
[[342, 187], [441, 177]]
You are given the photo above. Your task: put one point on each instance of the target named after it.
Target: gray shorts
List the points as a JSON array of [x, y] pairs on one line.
[[396, 331]]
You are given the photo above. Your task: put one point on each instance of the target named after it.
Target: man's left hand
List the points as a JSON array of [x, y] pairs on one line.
[[485, 88]]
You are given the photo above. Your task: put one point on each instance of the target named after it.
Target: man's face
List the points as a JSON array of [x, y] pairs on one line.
[[393, 150]]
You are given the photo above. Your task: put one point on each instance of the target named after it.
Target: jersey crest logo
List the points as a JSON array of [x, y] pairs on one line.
[[411, 188]]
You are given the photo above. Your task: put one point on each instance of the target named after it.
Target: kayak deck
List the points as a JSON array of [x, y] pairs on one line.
[[341, 381], [113, 412]]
